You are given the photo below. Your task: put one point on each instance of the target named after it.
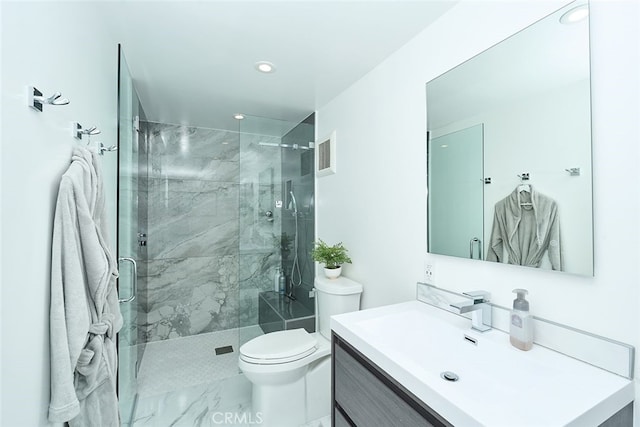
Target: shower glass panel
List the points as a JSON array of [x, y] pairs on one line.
[[276, 219], [456, 193], [128, 212], [222, 209]]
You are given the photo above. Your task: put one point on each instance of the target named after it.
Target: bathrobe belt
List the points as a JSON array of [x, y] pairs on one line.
[[104, 326], [90, 372]]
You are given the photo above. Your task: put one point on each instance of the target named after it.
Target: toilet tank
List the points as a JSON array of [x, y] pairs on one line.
[[335, 296]]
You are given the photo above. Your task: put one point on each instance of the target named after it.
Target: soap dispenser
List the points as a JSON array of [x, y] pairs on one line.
[[521, 325]]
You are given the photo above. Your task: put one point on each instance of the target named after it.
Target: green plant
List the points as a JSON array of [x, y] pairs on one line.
[[331, 256]]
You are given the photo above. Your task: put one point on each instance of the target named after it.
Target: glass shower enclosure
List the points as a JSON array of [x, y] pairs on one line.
[[205, 219], [277, 218], [129, 350]]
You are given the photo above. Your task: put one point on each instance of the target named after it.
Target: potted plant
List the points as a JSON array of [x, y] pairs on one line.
[[331, 256]]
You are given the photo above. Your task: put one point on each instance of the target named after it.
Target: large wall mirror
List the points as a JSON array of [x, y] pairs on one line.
[[509, 150]]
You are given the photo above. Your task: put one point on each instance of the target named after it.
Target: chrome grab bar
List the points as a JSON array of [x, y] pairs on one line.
[[471, 242], [135, 280]]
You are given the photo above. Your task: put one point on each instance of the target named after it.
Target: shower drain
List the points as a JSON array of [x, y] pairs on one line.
[[449, 376], [224, 350]]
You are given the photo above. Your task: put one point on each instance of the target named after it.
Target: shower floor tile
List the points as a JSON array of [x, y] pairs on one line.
[[182, 363]]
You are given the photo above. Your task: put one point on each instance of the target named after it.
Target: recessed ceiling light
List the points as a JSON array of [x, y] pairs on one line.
[[238, 116], [574, 15], [265, 67]]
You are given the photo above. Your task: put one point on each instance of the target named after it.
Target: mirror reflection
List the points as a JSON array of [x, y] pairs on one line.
[[509, 150]]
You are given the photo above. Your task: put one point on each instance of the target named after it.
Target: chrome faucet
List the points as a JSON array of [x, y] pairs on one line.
[[479, 307]]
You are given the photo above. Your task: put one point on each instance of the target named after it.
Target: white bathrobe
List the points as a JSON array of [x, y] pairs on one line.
[[84, 313], [522, 234]]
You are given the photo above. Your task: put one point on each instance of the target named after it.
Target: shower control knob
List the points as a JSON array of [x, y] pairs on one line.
[[268, 214]]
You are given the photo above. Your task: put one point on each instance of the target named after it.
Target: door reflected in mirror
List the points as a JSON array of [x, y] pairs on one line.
[[515, 117]]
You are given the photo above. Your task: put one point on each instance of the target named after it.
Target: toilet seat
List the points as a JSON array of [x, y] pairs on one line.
[[279, 347]]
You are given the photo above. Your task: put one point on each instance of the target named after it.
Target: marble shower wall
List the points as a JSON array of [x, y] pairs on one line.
[[210, 247], [192, 249], [259, 245]]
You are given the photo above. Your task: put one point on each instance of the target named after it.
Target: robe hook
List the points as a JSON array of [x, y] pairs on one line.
[[36, 100], [573, 171], [102, 148], [77, 130]]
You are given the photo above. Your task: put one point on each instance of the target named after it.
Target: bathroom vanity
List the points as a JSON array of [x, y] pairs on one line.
[[413, 364]]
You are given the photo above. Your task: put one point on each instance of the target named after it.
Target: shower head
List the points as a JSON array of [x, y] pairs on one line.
[[292, 146]]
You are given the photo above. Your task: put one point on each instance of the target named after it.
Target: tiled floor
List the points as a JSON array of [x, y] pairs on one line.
[[223, 402], [185, 362], [183, 383]]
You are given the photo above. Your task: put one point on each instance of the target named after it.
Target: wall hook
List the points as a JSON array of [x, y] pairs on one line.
[[573, 171], [36, 101], [77, 131], [102, 148]]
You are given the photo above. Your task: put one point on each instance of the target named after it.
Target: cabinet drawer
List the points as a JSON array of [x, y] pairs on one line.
[[370, 398]]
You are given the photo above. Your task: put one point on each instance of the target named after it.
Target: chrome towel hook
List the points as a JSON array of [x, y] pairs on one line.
[[36, 100], [573, 171], [102, 148], [77, 131]]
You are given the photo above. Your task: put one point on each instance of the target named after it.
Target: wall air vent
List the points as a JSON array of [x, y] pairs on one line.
[[326, 155]]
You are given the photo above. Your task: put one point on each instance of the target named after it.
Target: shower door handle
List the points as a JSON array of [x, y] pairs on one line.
[[471, 242], [134, 291]]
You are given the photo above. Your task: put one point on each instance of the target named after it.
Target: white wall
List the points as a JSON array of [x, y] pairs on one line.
[[375, 204], [56, 47]]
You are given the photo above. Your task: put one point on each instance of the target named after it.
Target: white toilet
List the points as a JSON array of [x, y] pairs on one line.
[[291, 370]]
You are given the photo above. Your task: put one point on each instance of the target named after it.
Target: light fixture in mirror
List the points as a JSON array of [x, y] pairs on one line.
[[509, 151]]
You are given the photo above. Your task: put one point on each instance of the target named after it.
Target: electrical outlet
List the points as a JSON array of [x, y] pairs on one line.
[[429, 273]]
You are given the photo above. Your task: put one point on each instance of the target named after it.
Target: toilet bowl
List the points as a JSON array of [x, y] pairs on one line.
[[291, 370]]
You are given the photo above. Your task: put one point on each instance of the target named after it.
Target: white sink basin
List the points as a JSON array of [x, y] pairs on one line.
[[498, 384]]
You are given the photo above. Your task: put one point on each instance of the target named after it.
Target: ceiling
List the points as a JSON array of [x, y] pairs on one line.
[[193, 62]]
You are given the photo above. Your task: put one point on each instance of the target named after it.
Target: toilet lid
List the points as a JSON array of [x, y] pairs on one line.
[[279, 347]]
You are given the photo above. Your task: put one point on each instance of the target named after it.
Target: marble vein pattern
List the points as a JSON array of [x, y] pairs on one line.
[[182, 152], [207, 192], [192, 218], [257, 272], [260, 235], [187, 296], [203, 405], [182, 382]]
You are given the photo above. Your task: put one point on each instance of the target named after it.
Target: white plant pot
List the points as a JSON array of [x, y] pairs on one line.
[[333, 273]]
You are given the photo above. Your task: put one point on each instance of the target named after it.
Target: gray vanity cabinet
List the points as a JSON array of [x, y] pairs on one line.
[[364, 395]]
